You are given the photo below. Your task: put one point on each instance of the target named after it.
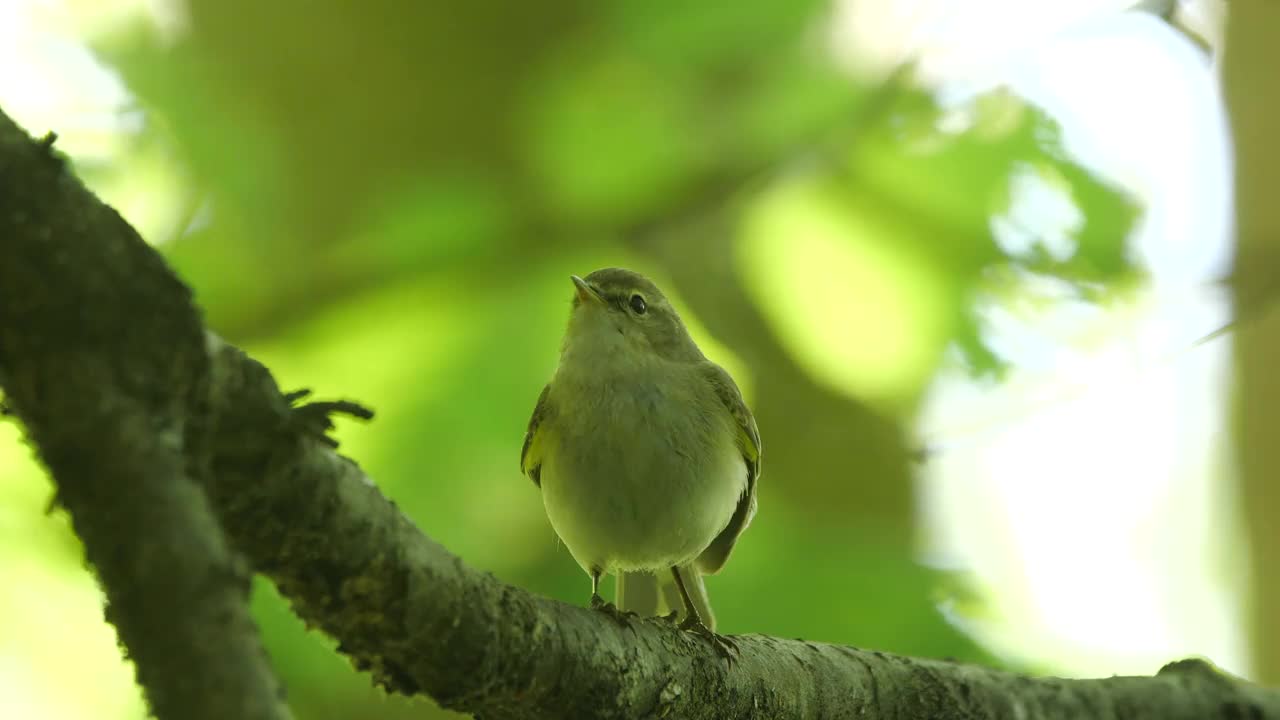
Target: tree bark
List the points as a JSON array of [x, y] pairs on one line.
[[423, 622], [1251, 84], [103, 359]]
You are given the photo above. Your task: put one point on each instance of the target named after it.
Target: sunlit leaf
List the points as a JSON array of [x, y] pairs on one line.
[[858, 306]]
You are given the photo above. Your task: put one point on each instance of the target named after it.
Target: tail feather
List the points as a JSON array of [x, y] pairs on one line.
[[649, 594]]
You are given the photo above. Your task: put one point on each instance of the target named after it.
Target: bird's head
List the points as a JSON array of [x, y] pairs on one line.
[[621, 311]]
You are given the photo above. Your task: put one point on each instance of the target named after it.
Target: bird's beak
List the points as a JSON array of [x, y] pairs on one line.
[[585, 292]]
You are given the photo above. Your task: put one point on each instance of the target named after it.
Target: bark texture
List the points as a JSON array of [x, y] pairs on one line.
[[103, 359], [423, 622], [135, 409]]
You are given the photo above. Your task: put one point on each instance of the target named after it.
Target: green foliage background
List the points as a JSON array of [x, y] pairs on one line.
[[388, 198]]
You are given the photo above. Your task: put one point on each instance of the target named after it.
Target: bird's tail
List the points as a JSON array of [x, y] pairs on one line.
[[647, 594]]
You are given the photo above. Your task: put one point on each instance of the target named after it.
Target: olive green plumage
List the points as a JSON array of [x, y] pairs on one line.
[[646, 454]]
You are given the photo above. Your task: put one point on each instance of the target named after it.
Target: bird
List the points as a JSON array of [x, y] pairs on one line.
[[645, 453]]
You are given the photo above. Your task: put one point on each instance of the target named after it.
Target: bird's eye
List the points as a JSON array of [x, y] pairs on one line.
[[637, 304]]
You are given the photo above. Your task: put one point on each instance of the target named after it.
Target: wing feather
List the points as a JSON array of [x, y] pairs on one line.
[[717, 554], [531, 452]]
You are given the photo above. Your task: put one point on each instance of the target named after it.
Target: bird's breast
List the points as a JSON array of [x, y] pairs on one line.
[[643, 470]]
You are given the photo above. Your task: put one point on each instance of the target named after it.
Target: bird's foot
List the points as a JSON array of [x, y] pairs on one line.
[[723, 644], [670, 617], [622, 617]]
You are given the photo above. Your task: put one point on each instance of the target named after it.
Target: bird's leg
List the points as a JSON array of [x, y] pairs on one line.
[[597, 602], [693, 624], [623, 618]]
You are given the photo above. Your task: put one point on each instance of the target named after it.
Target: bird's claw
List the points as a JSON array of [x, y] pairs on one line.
[[622, 617], [726, 646]]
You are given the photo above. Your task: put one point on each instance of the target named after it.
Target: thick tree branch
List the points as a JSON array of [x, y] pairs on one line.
[[422, 621], [102, 359], [401, 606]]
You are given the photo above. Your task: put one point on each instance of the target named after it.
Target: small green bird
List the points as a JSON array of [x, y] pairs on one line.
[[645, 452]]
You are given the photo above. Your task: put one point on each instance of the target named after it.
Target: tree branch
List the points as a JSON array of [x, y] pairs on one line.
[[102, 359], [422, 621], [401, 607], [1250, 58]]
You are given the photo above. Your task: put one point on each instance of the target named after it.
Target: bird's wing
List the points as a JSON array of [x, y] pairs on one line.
[[716, 554], [531, 453]]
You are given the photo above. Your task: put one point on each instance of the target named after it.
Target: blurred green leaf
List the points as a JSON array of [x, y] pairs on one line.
[[702, 37], [610, 137], [929, 183]]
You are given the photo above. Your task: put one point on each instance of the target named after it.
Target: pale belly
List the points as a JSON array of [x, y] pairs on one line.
[[632, 483]]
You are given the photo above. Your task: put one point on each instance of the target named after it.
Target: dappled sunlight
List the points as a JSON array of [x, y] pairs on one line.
[[1088, 499], [1091, 491], [861, 314], [63, 84]]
